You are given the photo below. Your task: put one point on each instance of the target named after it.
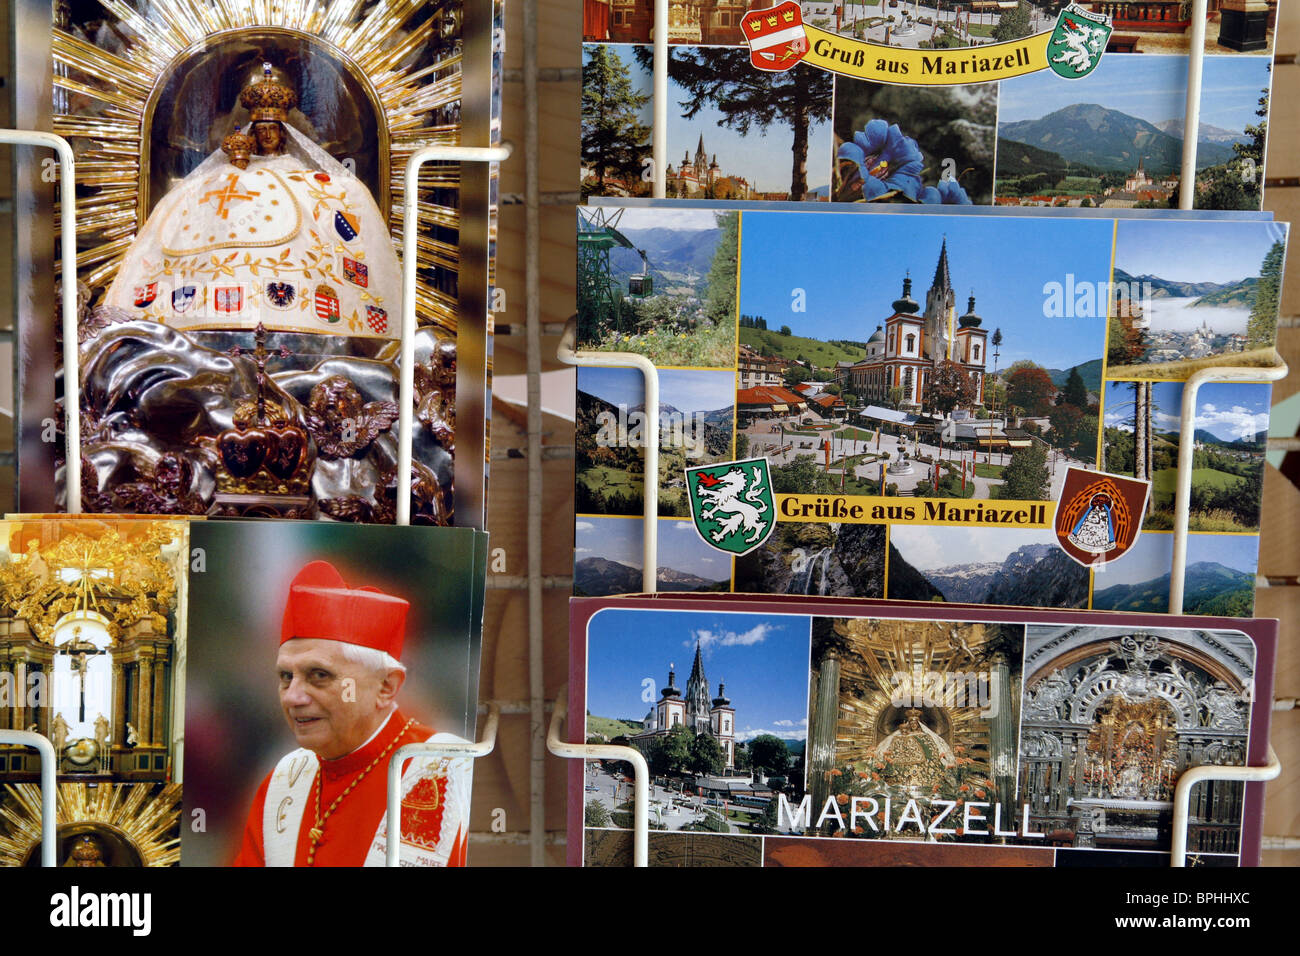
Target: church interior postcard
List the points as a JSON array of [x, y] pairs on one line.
[[316, 651], [970, 409], [93, 655], [240, 200], [854, 734], [1062, 105]]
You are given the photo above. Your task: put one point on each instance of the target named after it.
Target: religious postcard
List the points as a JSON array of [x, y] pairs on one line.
[[239, 210], [1019, 103], [93, 661], [857, 733], [969, 409], [317, 652]]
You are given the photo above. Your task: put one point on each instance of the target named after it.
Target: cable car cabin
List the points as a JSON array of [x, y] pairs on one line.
[[641, 285]]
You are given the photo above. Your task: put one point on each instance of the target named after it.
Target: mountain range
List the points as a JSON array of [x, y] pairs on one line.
[[1206, 132], [1254, 443], [1241, 292], [1111, 140], [1034, 575], [1209, 588], [1090, 372], [600, 577], [677, 258]]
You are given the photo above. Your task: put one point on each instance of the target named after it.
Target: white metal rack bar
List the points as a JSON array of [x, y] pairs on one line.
[[1192, 117], [68, 284], [406, 373], [1194, 775], [49, 787], [640, 774], [1186, 448], [659, 138], [481, 748], [568, 354]]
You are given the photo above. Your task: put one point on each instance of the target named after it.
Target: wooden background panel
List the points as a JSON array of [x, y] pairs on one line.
[[558, 133], [559, 33], [1279, 544]]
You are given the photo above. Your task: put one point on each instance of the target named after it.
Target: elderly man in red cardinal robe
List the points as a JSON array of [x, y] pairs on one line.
[[325, 804]]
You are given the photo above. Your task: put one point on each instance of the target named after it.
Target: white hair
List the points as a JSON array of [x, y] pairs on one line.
[[371, 658]]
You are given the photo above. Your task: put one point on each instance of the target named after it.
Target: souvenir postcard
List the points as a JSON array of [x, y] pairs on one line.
[[1016, 102], [93, 660], [239, 207], [970, 409], [317, 650], [856, 733]]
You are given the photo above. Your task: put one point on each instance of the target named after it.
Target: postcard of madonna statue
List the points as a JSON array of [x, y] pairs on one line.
[[240, 198], [983, 409], [1048, 103], [792, 732], [317, 652], [95, 622]]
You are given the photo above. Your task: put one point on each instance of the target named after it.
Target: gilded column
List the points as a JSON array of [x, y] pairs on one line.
[[19, 708], [119, 702], [141, 700], [821, 736], [159, 702], [145, 728]]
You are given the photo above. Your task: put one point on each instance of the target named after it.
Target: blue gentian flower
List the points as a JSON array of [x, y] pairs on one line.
[[948, 192], [886, 160]]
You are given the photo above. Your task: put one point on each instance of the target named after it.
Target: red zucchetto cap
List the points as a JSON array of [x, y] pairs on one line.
[[322, 606]]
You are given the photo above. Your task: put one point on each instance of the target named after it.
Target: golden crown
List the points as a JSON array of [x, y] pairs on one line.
[[239, 147], [267, 98]]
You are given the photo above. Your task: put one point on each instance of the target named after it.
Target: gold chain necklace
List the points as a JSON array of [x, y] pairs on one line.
[[317, 832]]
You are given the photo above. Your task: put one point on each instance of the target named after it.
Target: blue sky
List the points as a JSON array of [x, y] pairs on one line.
[[1191, 251], [1149, 86], [763, 157], [762, 658], [1229, 411], [687, 391], [1152, 555], [851, 267], [680, 546], [930, 547]]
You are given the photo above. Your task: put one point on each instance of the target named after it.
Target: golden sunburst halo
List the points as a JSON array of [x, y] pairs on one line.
[[892, 659], [145, 816], [384, 43]]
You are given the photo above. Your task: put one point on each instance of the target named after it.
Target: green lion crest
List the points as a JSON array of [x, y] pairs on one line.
[[732, 504], [1077, 42]]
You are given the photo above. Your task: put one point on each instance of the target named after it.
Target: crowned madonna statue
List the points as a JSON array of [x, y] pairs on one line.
[[269, 230]]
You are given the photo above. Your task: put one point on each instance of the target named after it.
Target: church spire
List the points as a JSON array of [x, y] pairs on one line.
[[941, 279], [697, 695]]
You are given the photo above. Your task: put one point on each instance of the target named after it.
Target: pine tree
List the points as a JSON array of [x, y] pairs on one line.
[[1261, 327], [1025, 478], [1075, 392], [613, 142], [1013, 24], [720, 294]]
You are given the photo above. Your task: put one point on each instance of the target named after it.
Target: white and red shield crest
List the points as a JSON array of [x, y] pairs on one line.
[[377, 319], [228, 299], [776, 37]]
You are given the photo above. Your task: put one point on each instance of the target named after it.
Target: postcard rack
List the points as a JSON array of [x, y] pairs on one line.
[[568, 354]]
